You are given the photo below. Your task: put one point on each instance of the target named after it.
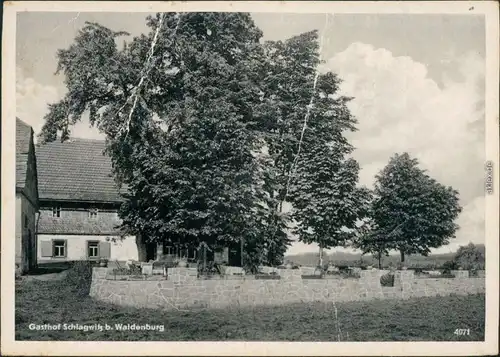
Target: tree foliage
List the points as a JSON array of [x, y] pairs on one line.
[[176, 108], [305, 120], [412, 210], [289, 70], [204, 123], [469, 257], [369, 239], [324, 188]]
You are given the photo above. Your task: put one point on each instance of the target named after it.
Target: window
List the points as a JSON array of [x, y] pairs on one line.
[[93, 213], [93, 249], [59, 248], [25, 221], [56, 211]]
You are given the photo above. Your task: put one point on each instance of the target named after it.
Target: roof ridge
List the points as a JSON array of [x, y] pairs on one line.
[[22, 122], [74, 139]]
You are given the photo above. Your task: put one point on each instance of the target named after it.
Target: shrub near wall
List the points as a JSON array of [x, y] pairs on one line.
[[79, 276], [183, 289]]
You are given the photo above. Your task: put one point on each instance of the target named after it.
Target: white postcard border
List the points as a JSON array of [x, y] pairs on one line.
[[490, 346]]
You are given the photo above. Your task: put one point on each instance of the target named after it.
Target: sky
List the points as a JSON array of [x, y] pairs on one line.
[[417, 82]]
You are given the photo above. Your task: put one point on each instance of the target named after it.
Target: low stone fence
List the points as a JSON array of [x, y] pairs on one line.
[[183, 289]]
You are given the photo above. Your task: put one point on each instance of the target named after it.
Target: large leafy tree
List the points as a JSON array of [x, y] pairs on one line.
[[305, 121], [204, 125], [412, 210], [286, 77], [288, 71], [176, 106]]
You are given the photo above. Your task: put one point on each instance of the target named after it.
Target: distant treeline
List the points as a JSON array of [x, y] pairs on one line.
[[353, 259]]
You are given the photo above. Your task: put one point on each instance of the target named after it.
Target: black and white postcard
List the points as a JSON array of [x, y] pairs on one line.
[[250, 178]]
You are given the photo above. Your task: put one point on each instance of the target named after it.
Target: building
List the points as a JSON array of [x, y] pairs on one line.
[[79, 203], [26, 198]]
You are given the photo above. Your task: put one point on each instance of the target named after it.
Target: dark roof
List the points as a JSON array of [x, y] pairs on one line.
[[76, 170], [24, 135]]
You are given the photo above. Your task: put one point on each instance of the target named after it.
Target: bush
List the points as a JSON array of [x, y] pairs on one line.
[[473, 273], [449, 266], [135, 269], [121, 271], [211, 268], [445, 276], [343, 267], [351, 274], [346, 274], [360, 264], [469, 257], [387, 280], [251, 261], [79, 276]]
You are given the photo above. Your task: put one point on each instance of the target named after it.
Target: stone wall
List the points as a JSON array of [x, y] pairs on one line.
[[460, 274], [182, 289]]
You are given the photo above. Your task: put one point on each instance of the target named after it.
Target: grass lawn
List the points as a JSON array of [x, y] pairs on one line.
[[423, 319]]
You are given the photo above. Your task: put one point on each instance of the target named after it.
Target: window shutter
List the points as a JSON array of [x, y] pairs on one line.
[[104, 250], [65, 248], [46, 248]]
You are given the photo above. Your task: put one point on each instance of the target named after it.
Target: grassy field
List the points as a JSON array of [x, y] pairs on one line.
[[52, 302]]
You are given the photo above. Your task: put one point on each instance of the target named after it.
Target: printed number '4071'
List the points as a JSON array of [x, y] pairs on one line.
[[462, 332]]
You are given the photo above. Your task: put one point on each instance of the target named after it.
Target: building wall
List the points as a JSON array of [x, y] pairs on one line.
[[75, 219], [31, 183], [183, 289], [25, 234], [26, 214], [19, 233], [76, 245]]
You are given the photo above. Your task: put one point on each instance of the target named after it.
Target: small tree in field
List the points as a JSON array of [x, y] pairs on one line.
[[329, 207], [371, 241], [469, 257], [306, 121], [413, 209]]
